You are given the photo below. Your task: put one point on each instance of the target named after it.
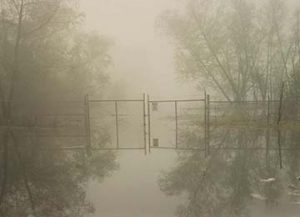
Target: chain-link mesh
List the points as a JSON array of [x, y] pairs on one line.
[[175, 124], [117, 124]]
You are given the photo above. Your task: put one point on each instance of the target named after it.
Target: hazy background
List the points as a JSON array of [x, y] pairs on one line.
[[143, 62], [142, 56]]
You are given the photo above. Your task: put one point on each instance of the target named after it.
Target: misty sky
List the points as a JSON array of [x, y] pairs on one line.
[[143, 57]]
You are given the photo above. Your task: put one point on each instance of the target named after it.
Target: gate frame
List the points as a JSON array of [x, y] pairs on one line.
[[176, 102]]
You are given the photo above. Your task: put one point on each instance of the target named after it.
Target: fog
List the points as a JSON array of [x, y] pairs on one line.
[[165, 108], [142, 55], [143, 63]]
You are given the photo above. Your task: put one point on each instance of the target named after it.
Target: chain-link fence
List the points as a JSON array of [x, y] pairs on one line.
[[117, 124], [173, 122], [191, 124]]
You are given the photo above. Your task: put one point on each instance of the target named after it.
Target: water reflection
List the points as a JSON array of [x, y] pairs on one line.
[[44, 180], [242, 176]]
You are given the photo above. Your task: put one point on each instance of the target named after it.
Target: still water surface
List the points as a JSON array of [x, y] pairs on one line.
[[226, 183]]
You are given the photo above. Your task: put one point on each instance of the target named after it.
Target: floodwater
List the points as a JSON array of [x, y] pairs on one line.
[[233, 183], [133, 190], [247, 166]]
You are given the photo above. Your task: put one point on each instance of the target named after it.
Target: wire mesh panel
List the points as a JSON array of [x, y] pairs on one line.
[[103, 125], [263, 122], [117, 124], [252, 113], [177, 124], [63, 123], [162, 125], [244, 114], [56, 124], [191, 125], [131, 125], [172, 124], [233, 125]]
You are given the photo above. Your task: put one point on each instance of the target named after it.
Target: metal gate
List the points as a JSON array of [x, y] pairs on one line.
[[127, 124], [145, 124], [171, 121]]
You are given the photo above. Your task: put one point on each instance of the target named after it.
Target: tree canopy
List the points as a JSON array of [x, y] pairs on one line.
[[243, 49], [46, 58]]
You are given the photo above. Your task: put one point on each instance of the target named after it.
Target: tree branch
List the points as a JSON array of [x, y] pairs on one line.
[[24, 171], [43, 24], [5, 168], [16, 59]]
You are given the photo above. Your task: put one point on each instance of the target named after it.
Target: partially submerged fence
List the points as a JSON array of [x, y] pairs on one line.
[[145, 124]]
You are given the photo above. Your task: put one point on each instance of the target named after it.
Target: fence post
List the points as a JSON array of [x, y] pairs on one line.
[[87, 123], [149, 123], [117, 123], [268, 132], [144, 123], [208, 124], [176, 124], [205, 124]]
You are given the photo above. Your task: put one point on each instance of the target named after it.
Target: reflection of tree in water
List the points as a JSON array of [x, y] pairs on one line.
[[229, 182], [50, 181]]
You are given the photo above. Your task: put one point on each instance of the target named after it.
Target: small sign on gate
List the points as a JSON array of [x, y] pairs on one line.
[[154, 106], [155, 142]]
